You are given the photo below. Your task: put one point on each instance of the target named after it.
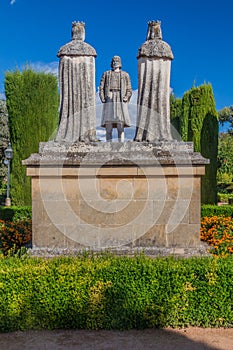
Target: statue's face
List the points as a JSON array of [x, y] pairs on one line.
[[116, 63]]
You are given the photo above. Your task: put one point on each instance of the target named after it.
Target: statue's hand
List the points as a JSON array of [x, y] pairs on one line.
[[125, 99]]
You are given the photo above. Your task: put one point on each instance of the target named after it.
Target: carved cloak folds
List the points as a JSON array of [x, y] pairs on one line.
[[77, 89], [153, 111]]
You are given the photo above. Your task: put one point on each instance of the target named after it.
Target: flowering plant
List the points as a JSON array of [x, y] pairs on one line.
[[218, 232], [14, 235]]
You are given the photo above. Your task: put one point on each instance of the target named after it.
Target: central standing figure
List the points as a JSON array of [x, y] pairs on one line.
[[115, 92]]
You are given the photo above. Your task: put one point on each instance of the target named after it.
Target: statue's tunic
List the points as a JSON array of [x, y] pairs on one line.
[[153, 111], [77, 91], [114, 86]]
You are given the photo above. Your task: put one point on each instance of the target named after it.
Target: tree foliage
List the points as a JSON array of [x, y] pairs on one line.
[[199, 123], [4, 139], [32, 103], [175, 114], [226, 115], [225, 157]]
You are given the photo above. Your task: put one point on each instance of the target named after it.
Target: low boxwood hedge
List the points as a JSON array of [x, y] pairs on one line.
[[15, 213], [216, 210], [109, 292]]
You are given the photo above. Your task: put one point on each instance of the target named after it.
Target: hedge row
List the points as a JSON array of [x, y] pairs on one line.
[[215, 210], [15, 213], [32, 102], [109, 292]]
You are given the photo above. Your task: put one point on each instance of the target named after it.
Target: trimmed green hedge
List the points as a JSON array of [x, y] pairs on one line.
[[215, 210], [15, 213], [108, 292], [32, 100]]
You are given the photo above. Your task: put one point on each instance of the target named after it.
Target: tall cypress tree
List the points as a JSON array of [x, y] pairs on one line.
[[175, 114], [32, 103], [199, 123], [4, 139]]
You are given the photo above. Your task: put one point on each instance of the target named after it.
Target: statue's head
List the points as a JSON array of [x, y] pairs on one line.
[[78, 31], [116, 62], [154, 30]]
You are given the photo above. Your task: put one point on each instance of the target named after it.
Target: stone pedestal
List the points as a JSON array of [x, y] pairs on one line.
[[121, 196]]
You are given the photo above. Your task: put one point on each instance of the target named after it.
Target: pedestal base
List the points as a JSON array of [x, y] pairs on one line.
[[117, 196]]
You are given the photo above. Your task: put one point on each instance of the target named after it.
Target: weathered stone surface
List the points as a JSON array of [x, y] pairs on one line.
[[154, 237], [124, 250], [155, 49], [116, 195], [154, 65], [77, 89], [154, 46], [77, 47], [113, 153], [185, 236], [51, 147]]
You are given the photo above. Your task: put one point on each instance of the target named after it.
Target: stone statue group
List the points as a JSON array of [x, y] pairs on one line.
[[77, 90]]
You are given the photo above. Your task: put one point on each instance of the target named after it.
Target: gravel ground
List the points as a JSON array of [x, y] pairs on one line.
[[161, 339]]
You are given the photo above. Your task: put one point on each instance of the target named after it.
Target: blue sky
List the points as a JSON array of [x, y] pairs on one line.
[[200, 34]]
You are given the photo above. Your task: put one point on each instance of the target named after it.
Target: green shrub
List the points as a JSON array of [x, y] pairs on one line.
[[225, 187], [107, 292], [225, 158], [215, 210], [222, 197], [225, 197], [32, 103], [224, 178], [175, 115], [199, 123], [15, 213]]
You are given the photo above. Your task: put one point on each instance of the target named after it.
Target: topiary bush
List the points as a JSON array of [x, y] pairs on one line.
[[215, 210], [32, 101], [109, 292], [199, 123]]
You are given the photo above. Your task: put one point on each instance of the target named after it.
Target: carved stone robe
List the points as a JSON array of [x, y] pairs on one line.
[[77, 93], [153, 105]]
